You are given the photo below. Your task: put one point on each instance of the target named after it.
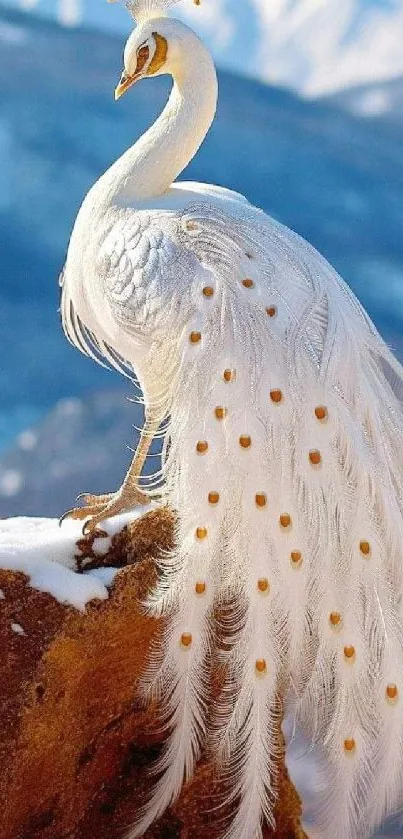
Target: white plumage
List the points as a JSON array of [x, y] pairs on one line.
[[282, 457]]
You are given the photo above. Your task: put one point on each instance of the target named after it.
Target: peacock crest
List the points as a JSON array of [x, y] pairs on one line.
[[142, 10]]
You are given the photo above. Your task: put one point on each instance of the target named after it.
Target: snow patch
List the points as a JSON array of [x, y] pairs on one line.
[[46, 553], [105, 575], [17, 628], [101, 545], [113, 526]]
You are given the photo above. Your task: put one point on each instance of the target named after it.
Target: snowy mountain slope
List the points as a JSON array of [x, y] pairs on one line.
[[322, 45], [338, 180], [381, 100], [313, 46]]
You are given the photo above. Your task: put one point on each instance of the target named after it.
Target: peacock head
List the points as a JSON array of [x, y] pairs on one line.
[[151, 47]]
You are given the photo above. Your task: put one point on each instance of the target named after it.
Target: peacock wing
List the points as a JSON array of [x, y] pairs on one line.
[[138, 258], [147, 272]]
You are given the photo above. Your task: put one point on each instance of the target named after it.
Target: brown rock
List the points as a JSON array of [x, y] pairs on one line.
[[75, 742]]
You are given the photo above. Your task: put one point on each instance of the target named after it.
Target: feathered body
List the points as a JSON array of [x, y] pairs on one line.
[[283, 460]]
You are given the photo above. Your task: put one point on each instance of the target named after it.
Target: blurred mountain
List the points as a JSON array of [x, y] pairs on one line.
[[82, 445], [321, 45], [335, 178], [378, 101], [313, 46]]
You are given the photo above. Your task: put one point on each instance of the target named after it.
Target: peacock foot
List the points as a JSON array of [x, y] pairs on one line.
[[97, 508]]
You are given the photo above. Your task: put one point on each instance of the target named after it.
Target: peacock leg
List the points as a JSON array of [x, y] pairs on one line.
[[97, 508]]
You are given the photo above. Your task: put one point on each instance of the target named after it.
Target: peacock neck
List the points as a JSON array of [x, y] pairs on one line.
[[149, 167]]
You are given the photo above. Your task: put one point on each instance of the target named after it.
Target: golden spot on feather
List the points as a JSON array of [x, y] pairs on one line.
[[349, 653], [245, 441], [213, 497], [276, 396], [261, 499], [261, 666], [201, 533], [200, 588], [335, 619], [315, 457], [229, 376], [365, 548], [202, 447], [263, 585], [186, 640], [349, 745], [392, 692], [285, 520], [296, 559], [220, 412]]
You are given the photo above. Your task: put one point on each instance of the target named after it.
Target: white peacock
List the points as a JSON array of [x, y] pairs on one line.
[[283, 457]]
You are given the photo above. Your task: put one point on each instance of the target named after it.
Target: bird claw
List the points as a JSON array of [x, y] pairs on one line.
[[91, 500], [74, 513], [97, 508]]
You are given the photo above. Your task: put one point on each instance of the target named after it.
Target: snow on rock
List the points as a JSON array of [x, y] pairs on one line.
[[101, 545], [46, 553], [105, 575], [17, 628]]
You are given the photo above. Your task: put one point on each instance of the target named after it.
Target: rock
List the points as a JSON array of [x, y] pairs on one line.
[[76, 743]]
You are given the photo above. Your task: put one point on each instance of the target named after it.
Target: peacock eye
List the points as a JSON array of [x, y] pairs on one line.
[[143, 55]]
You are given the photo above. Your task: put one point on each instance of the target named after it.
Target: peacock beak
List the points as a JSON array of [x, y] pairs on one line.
[[124, 84]]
